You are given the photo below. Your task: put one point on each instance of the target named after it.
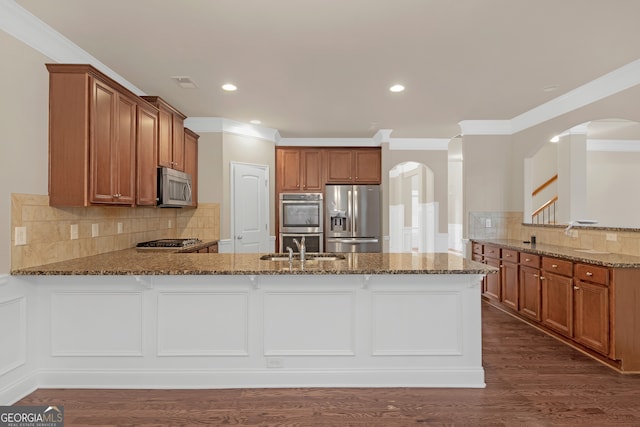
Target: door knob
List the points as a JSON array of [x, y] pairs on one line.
[[239, 237]]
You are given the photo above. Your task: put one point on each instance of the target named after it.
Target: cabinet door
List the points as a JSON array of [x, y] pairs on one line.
[[165, 137], [339, 166], [557, 302], [592, 315], [147, 146], [191, 162], [288, 167], [102, 151], [367, 166], [178, 143], [492, 282], [509, 273], [125, 154], [530, 292], [311, 170]]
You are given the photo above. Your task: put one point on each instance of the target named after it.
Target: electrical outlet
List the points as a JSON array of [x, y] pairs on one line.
[[95, 230], [487, 223], [120, 228], [612, 237], [275, 362], [74, 231], [20, 236]]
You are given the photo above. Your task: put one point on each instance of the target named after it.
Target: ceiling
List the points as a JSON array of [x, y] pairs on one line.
[[322, 68]]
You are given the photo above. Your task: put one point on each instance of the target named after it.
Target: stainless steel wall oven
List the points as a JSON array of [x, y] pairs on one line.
[[301, 213]]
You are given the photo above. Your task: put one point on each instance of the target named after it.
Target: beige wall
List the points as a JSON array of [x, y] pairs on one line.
[[243, 149], [24, 84]]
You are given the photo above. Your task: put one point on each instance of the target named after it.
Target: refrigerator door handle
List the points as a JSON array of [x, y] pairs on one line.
[[350, 217], [355, 210]]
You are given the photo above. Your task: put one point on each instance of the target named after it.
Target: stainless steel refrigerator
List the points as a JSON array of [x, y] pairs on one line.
[[352, 218]]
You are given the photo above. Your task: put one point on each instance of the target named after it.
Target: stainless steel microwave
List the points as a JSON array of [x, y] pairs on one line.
[[174, 188]]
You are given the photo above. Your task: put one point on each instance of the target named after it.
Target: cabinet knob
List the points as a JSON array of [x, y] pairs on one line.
[[541, 277], [554, 265], [535, 275], [589, 273], [508, 255], [527, 259], [576, 288]]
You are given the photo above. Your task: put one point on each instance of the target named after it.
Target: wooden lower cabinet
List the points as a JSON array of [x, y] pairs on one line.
[[492, 281], [591, 307], [594, 307], [509, 278], [530, 295], [557, 302]]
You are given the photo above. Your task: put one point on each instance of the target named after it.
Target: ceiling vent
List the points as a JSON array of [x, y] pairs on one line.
[[184, 82]]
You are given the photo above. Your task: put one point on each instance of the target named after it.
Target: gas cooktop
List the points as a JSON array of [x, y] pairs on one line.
[[168, 243]]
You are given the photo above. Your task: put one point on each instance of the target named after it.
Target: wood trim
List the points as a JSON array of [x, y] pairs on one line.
[[546, 205], [545, 185]]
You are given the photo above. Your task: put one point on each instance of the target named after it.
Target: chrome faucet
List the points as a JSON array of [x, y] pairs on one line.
[[301, 248], [290, 254]]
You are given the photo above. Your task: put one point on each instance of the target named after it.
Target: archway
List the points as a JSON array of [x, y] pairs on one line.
[[413, 212]]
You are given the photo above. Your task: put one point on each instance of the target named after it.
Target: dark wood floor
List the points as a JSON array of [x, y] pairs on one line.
[[532, 380]]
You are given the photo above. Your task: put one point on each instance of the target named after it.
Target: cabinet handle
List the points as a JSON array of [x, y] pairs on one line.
[[508, 255], [541, 277], [589, 273], [527, 259], [554, 265], [576, 288], [535, 275]]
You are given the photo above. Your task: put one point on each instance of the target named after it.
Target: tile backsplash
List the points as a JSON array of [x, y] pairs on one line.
[[508, 225], [48, 229]]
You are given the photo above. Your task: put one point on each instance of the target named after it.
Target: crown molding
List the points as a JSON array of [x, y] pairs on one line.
[[614, 145], [24, 26], [328, 142], [220, 124]]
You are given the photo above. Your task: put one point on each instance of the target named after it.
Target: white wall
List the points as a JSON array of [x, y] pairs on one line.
[[24, 84]]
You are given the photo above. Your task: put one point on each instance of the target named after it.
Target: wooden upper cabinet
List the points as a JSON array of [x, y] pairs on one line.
[[170, 134], [92, 138], [354, 166], [299, 170], [191, 162], [367, 166], [147, 156], [311, 170]]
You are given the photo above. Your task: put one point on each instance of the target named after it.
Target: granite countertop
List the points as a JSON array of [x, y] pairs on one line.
[[133, 262], [573, 254]]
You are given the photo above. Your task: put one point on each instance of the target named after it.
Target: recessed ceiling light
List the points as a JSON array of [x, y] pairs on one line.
[[396, 88], [255, 122], [229, 87]]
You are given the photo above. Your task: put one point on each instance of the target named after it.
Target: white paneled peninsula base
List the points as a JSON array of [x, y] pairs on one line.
[[239, 330]]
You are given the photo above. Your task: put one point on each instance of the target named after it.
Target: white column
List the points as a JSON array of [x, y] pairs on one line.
[[572, 175]]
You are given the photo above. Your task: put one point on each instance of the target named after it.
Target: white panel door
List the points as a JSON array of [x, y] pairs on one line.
[[250, 202]]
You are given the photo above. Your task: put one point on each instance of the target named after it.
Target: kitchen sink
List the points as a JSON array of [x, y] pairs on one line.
[[308, 257]]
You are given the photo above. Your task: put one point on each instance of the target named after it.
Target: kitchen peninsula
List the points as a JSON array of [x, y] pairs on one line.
[[130, 319]]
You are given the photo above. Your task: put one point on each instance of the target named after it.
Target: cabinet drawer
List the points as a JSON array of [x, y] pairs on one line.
[[530, 260], [558, 266], [476, 248], [509, 255], [491, 251], [592, 273]]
